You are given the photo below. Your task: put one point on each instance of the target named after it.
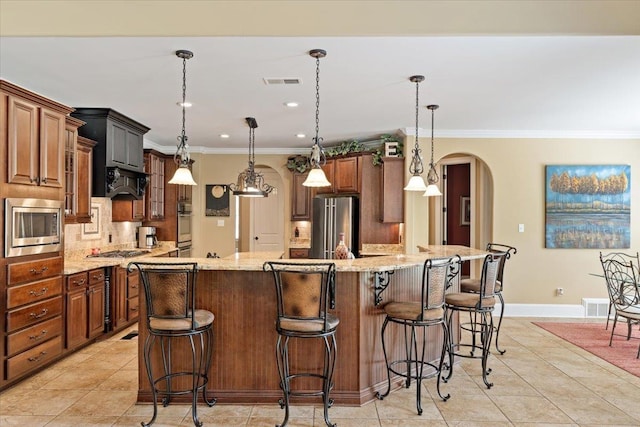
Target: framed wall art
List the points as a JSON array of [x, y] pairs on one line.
[[465, 210], [91, 230], [217, 200], [588, 206]]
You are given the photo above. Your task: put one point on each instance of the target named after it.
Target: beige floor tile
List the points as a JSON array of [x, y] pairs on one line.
[[401, 404], [24, 420], [271, 421], [506, 385], [217, 421], [146, 410], [44, 402], [347, 422], [121, 380], [274, 411], [594, 411], [530, 408], [99, 421], [470, 408], [363, 412], [479, 423], [79, 379], [132, 421], [222, 410], [96, 403], [412, 423]]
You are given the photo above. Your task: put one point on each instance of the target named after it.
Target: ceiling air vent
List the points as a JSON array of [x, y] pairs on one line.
[[282, 81]]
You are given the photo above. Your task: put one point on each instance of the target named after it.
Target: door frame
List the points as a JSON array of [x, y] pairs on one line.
[[271, 176], [440, 222]]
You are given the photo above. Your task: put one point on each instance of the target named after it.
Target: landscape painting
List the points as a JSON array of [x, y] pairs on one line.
[[588, 206]]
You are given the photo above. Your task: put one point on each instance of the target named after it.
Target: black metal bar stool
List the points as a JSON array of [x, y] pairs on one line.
[[305, 292], [428, 311], [480, 306], [169, 289], [473, 285]]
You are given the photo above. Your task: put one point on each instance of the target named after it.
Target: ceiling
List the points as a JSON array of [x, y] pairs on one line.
[[487, 86]]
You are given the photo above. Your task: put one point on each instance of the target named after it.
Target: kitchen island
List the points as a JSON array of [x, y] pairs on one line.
[[241, 296]]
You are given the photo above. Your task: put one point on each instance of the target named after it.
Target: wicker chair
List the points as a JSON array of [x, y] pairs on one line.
[[305, 292]]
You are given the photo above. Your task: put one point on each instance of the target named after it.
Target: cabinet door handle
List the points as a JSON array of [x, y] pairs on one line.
[[39, 336], [44, 180], [36, 272], [78, 282], [98, 277], [38, 316], [37, 358], [134, 308], [38, 294]]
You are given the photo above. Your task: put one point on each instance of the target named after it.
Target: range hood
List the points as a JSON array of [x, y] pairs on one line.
[[118, 162]]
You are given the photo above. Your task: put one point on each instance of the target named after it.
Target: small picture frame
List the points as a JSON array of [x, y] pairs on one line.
[[465, 210], [391, 149], [91, 230], [217, 200]]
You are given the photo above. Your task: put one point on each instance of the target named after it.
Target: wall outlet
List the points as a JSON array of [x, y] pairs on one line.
[[221, 223], [520, 228], [559, 292]]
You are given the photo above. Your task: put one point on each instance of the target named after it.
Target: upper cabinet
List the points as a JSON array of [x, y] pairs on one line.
[[155, 194], [391, 191], [300, 198], [343, 174], [33, 134], [118, 166], [77, 167]]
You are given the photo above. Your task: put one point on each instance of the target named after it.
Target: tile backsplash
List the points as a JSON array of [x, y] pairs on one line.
[[83, 237]]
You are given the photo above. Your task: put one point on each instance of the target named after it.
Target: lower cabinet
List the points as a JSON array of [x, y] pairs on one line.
[[125, 297], [85, 307], [33, 320]]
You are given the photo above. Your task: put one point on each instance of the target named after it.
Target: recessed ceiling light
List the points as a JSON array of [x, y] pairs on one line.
[[291, 104], [224, 135], [187, 104], [300, 135]]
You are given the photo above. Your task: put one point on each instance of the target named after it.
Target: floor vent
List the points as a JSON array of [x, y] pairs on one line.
[[595, 307], [282, 81]]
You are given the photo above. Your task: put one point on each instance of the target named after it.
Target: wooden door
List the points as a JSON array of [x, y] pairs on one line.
[[267, 218], [300, 198], [84, 177]]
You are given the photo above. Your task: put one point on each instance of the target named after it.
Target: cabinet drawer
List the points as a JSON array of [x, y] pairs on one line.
[[34, 270], [33, 335], [132, 309], [34, 358], [34, 313], [33, 292], [96, 276], [133, 286], [298, 253], [77, 281]]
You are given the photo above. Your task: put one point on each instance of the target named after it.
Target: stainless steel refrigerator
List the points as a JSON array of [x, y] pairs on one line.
[[332, 216]]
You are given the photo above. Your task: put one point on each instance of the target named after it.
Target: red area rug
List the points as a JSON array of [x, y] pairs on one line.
[[595, 339]]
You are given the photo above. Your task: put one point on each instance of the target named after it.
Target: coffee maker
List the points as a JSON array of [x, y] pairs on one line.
[[147, 237]]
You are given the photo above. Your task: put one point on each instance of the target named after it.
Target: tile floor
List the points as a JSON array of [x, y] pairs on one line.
[[540, 381]]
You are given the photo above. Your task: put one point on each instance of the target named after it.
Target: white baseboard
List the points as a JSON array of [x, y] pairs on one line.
[[541, 310]]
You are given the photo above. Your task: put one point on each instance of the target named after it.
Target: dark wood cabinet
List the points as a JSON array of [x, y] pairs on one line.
[[85, 307], [299, 253], [329, 171], [346, 175], [127, 210], [391, 190], [33, 135], [124, 297], [125, 149], [33, 320], [300, 198], [78, 167]]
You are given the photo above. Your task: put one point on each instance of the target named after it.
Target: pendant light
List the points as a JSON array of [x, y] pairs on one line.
[[316, 177], [416, 183], [251, 183], [432, 175], [183, 173]]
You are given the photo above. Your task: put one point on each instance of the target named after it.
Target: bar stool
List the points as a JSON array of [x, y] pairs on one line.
[[473, 285], [480, 306], [428, 311], [169, 289], [304, 294]]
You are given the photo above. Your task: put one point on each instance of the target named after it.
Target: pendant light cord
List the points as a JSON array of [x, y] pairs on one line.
[[317, 138], [184, 100]]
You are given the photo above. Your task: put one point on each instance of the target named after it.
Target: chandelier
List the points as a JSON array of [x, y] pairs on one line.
[[316, 177], [432, 175], [251, 183], [183, 173], [416, 183]]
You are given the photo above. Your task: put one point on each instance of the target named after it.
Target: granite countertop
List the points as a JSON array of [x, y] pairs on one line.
[[255, 260], [77, 261]]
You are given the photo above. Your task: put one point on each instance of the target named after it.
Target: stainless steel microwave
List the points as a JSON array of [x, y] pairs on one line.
[[32, 226]]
